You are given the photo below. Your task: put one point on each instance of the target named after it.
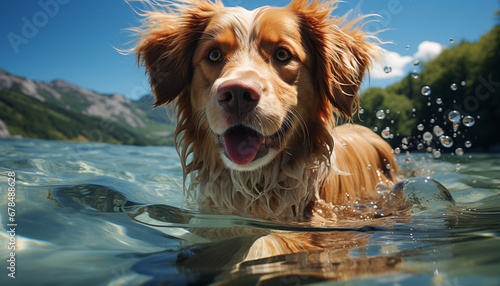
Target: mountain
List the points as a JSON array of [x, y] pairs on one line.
[[460, 109], [60, 110]]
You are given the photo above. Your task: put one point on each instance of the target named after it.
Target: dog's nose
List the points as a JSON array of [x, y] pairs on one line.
[[239, 96]]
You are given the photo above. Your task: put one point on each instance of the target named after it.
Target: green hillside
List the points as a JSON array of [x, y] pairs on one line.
[[463, 78]]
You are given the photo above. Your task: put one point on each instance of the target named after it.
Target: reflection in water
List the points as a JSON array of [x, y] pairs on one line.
[[239, 250]]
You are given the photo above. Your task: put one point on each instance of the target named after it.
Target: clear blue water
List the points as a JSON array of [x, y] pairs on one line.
[[98, 214]]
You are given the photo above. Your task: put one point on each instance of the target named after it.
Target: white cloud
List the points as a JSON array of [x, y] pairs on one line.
[[399, 64], [428, 51], [393, 60]]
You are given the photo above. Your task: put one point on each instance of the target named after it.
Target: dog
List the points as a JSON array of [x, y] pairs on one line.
[[259, 97]]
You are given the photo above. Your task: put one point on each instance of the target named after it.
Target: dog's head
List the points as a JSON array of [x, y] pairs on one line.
[[254, 83]]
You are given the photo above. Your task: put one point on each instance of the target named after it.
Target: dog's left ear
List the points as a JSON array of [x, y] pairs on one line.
[[341, 53]]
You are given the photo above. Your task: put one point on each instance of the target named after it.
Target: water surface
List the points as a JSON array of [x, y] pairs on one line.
[[99, 214]]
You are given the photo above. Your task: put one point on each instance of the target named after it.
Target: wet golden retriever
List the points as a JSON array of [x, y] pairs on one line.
[[258, 96]]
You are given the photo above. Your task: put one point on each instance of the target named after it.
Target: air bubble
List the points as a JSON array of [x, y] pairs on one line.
[[468, 121], [426, 90], [459, 151], [420, 127], [436, 153], [387, 69], [453, 86], [361, 111], [454, 116], [437, 130], [397, 150], [369, 166], [427, 136], [446, 141], [452, 41], [386, 133], [388, 166], [468, 144], [439, 101], [414, 74], [404, 140], [416, 63], [407, 47], [380, 114], [420, 146], [375, 129], [463, 83]]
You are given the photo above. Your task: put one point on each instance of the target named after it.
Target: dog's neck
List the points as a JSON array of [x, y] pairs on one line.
[[281, 190]]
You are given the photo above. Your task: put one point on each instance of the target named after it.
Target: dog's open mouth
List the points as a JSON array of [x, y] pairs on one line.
[[243, 144]]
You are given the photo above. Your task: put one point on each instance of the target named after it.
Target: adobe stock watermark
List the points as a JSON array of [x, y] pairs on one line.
[[482, 92], [393, 7], [94, 136], [31, 26]]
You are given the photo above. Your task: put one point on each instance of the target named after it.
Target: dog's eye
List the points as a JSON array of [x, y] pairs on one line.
[[282, 55], [215, 55]]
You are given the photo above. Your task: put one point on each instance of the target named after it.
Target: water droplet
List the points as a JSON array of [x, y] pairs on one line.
[[468, 121], [440, 109], [413, 110], [429, 103], [420, 127], [415, 63], [386, 133], [446, 141], [438, 131], [463, 83], [436, 153], [468, 144], [361, 111], [457, 167], [369, 166], [453, 86], [427, 136], [407, 47], [397, 150], [478, 117], [454, 116], [439, 100], [426, 90], [420, 146], [433, 120], [387, 69], [459, 151], [375, 129], [388, 166], [387, 111], [452, 41], [344, 145], [414, 74], [380, 114], [404, 140]]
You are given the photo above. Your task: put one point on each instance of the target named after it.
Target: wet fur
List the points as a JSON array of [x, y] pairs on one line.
[[318, 166]]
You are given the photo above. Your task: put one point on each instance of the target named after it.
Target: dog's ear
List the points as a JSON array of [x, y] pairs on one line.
[[167, 44], [341, 53]]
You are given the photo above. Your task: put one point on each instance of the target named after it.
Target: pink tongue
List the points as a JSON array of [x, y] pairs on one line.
[[242, 144]]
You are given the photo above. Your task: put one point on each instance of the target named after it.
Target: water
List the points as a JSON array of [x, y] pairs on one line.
[[98, 214]]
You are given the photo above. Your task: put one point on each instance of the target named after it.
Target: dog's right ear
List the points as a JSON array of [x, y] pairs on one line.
[[167, 44]]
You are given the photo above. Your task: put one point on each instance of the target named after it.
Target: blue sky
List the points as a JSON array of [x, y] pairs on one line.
[[73, 39]]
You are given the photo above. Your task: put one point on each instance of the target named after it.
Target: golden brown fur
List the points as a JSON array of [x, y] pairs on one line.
[[307, 163]]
